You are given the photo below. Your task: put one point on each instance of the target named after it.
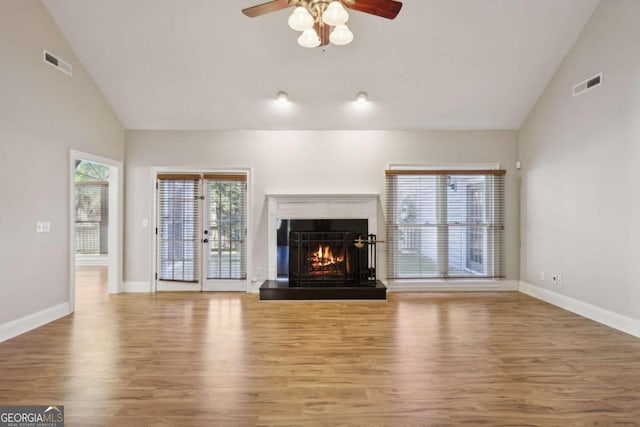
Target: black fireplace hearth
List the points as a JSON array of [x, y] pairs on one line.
[[274, 290]]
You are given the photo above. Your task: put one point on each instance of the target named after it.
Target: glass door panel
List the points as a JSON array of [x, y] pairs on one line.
[[178, 233], [225, 233]]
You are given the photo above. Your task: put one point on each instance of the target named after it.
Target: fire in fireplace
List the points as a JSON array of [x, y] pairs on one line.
[[331, 259], [325, 252], [323, 261], [319, 257]]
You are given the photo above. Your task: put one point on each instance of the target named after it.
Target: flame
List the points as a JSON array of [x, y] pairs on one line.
[[324, 257]]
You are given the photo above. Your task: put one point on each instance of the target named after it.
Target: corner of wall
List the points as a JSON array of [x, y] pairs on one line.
[[32, 321], [606, 317]]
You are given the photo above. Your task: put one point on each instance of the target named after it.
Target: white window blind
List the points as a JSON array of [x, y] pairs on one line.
[[226, 217], [178, 227], [445, 224]]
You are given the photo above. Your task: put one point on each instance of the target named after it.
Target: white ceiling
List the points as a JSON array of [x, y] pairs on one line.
[[201, 64]]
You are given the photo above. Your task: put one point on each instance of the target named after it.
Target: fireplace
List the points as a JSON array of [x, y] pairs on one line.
[[327, 252], [317, 257], [330, 257]]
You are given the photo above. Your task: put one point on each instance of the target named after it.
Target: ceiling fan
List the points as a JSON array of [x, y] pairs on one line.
[[314, 18]]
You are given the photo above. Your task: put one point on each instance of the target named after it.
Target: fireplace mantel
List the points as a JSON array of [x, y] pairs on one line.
[[316, 206]]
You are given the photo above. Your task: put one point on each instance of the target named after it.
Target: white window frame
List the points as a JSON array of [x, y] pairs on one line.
[[439, 284]]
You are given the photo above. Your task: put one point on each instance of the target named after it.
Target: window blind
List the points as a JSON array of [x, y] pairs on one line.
[[92, 217], [226, 217], [178, 227], [445, 224]]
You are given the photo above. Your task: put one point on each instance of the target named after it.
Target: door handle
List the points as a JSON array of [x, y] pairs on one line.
[[205, 241], [206, 231]]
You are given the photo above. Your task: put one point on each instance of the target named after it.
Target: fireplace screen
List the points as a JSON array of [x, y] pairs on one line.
[[330, 258]]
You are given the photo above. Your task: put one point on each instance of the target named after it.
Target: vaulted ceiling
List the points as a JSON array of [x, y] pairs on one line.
[[202, 64]]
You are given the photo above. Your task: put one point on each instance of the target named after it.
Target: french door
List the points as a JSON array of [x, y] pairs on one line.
[[201, 232]]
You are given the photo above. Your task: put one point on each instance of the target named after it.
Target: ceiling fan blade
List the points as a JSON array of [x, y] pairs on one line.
[[323, 32], [385, 8], [264, 8]]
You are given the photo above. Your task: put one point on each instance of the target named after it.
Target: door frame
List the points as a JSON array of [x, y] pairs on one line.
[[115, 231], [155, 171]]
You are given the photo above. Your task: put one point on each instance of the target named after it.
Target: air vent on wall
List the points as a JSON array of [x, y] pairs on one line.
[[587, 85], [54, 61]]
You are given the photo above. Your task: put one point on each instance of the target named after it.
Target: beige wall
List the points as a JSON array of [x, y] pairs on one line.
[[299, 162], [580, 177], [43, 114]]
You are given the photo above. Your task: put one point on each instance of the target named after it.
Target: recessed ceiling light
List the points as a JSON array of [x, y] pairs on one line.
[[282, 97], [362, 98]]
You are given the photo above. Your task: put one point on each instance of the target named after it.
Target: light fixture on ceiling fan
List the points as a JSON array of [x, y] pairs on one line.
[[315, 18]]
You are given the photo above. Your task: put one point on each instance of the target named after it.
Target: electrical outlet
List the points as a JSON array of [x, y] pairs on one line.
[[258, 271], [559, 278], [43, 227], [145, 223], [554, 279], [542, 276]]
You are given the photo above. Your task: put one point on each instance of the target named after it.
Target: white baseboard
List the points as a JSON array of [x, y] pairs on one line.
[[454, 286], [32, 321], [606, 317], [137, 287], [253, 287]]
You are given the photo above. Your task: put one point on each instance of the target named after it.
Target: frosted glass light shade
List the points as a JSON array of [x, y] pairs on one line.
[[282, 98], [335, 14], [300, 19], [341, 35], [309, 38], [362, 98]]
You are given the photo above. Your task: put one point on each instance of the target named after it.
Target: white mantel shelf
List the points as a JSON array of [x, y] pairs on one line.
[[316, 206], [321, 194], [323, 197]]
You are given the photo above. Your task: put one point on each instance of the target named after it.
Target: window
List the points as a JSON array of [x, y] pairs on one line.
[[92, 208], [445, 224]]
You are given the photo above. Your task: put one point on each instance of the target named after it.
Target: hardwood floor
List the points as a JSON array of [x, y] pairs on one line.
[[417, 359]]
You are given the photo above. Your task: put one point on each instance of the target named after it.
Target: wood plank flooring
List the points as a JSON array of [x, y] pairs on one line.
[[434, 359]]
